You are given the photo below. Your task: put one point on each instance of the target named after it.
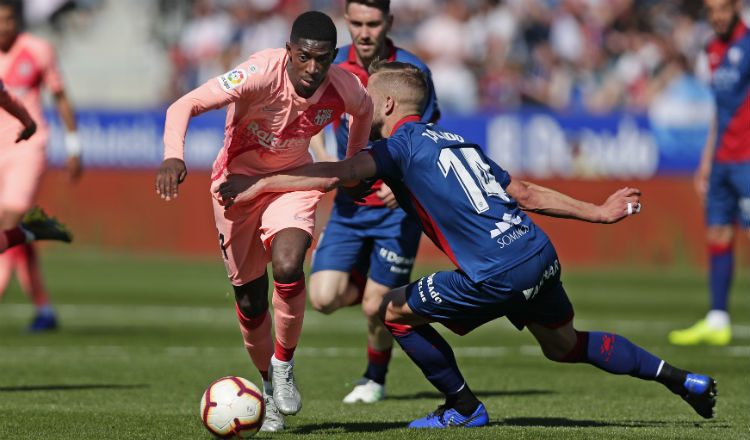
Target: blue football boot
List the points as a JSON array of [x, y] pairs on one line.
[[446, 417], [700, 393], [43, 322]]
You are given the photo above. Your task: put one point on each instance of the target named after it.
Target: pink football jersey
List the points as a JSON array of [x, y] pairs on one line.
[[29, 64], [268, 126]]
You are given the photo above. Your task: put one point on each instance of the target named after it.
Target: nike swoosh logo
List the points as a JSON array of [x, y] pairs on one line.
[[271, 109], [465, 422]]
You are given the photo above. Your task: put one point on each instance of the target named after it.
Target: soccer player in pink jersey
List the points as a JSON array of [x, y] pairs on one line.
[[26, 64], [278, 99]]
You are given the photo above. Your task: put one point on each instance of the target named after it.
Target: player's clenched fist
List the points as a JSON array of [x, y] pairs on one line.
[[620, 204], [171, 173]]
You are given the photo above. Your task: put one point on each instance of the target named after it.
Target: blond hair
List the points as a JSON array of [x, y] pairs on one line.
[[405, 82]]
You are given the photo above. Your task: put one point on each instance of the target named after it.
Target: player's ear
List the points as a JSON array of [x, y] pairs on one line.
[[289, 49], [390, 105], [335, 53]]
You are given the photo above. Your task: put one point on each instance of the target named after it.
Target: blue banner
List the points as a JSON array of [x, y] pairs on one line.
[[531, 142]]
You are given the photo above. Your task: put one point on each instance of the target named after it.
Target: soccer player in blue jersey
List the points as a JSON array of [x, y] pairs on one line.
[[506, 266], [723, 177], [374, 236]]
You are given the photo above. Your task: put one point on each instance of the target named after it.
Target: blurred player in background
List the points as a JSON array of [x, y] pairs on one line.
[[375, 236], [723, 177], [278, 99], [507, 266], [26, 63]]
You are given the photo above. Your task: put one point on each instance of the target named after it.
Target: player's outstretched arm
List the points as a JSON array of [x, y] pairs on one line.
[[15, 108], [545, 201], [323, 176]]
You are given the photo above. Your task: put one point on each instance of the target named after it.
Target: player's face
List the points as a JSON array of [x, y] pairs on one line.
[[368, 27], [722, 14], [8, 26], [308, 65]]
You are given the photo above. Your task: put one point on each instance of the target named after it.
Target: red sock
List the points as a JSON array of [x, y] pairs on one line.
[[256, 332], [288, 312], [12, 237], [30, 276]]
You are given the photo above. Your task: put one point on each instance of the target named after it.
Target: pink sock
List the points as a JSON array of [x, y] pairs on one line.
[[256, 332], [29, 275], [288, 312]]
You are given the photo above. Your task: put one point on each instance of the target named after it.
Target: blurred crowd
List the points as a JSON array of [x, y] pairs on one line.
[[485, 55]]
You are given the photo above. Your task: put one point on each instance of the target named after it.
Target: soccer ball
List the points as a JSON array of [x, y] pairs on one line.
[[232, 407]]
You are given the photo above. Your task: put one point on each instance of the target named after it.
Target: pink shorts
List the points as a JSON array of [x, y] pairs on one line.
[[246, 231], [21, 169]]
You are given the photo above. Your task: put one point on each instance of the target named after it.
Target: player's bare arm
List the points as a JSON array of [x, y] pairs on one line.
[[318, 148], [700, 179], [535, 198], [323, 176], [72, 144]]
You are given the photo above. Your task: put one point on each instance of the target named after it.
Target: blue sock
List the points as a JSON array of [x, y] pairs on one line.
[[431, 353], [615, 354], [720, 275]]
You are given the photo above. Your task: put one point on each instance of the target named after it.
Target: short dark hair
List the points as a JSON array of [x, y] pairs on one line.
[[16, 5], [383, 5], [313, 25]]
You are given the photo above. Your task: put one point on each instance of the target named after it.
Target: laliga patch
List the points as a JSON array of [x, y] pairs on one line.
[[232, 79]]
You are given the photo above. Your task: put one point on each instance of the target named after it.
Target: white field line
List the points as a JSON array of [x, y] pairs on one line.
[[129, 351], [224, 316]]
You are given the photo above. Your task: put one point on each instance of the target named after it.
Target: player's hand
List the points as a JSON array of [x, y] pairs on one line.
[[237, 188], [359, 191], [386, 196], [27, 132], [171, 173], [624, 202], [74, 168], [700, 181]]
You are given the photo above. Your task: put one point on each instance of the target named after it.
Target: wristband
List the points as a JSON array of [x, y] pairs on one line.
[[72, 144]]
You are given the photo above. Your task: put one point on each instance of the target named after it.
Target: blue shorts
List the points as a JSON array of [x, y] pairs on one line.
[[728, 198], [529, 292], [375, 239]]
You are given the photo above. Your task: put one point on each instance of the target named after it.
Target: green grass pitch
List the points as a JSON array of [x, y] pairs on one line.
[[141, 338]]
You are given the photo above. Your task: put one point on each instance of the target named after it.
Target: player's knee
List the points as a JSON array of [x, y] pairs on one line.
[[371, 307], [324, 304], [287, 271]]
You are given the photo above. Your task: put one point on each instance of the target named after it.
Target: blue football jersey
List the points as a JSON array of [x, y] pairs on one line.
[[458, 195]]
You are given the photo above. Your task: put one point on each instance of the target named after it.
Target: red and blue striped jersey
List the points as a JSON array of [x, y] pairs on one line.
[[729, 63]]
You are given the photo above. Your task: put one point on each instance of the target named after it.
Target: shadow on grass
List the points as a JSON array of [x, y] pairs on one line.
[[480, 394], [559, 422], [71, 387], [347, 427]]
